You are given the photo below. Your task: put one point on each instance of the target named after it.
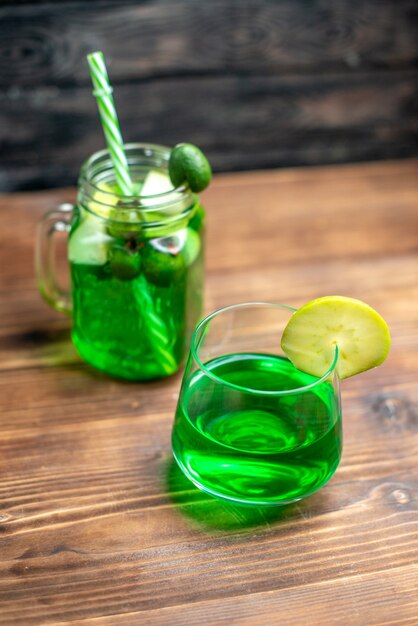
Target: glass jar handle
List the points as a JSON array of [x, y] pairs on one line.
[[57, 220]]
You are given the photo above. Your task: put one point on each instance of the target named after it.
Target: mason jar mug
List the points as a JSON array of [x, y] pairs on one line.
[[136, 266]]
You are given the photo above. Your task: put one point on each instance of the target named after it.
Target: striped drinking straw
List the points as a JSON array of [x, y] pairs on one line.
[[110, 123], [157, 333]]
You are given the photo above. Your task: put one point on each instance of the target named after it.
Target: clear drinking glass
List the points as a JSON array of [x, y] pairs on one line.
[[249, 426], [136, 267]]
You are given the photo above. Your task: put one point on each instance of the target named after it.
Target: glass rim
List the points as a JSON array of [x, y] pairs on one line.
[[251, 390], [163, 198]]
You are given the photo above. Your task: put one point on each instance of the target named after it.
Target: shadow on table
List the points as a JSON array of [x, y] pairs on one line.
[[216, 514], [49, 346]]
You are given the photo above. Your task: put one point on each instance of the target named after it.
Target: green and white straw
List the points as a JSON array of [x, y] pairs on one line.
[[157, 334], [103, 94]]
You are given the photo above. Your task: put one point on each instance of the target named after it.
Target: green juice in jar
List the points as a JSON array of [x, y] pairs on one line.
[[137, 280]]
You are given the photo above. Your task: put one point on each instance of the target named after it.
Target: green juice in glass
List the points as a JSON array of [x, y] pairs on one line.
[[263, 447]]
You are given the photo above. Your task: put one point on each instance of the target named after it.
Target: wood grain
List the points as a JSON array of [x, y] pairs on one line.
[[256, 83], [248, 122], [96, 524], [265, 608], [48, 43]]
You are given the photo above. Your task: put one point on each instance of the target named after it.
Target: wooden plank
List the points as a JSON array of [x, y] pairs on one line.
[[261, 219], [359, 602], [255, 83], [37, 337], [48, 42], [96, 524], [240, 122], [99, 551]]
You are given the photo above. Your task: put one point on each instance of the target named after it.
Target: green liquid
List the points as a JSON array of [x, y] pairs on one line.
[[112, 332], [253, 448]]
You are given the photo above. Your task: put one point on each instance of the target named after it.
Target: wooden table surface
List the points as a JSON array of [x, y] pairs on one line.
[[97, 526]]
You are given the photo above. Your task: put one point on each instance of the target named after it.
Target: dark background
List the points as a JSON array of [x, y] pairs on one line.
[[255, 83]]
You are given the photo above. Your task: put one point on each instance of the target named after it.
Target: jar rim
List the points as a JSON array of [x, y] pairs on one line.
[[101, 160]]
